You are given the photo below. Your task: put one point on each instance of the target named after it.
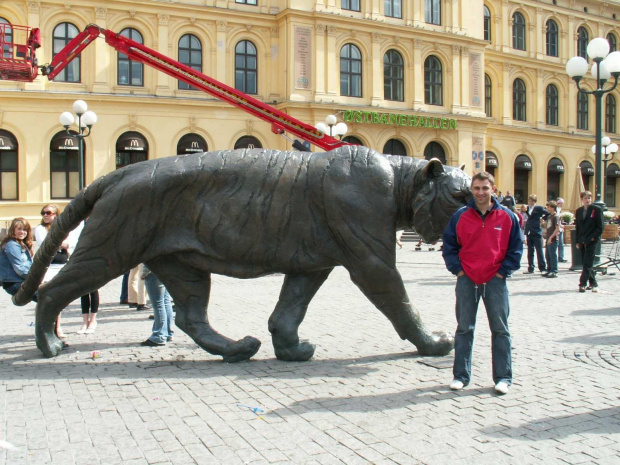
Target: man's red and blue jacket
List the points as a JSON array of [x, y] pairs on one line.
[[483, 245]]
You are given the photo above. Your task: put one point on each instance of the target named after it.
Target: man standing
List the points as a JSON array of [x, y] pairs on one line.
[[509, 201], [481, 246], [560, 204], [533, 235], [589, 226]]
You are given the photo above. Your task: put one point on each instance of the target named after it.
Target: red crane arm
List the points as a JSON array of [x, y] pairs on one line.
[[280, 121]]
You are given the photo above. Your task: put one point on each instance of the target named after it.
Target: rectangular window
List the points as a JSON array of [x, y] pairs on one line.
[[247, 2], [610, 191], [8, 175], [432, 12], [582, 111], [64, 174], [353, 5], [393, 8]]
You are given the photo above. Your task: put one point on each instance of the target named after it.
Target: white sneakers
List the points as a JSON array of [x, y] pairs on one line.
[[502, 387], [455, 385]]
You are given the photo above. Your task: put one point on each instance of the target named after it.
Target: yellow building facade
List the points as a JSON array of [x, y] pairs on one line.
[[471, 82]]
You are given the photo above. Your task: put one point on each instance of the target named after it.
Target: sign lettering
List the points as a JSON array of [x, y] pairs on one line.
[[395, 119]]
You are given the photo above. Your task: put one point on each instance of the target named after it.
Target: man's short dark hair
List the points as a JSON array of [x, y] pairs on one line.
[[553, 204], [483, 176], [584, 194]]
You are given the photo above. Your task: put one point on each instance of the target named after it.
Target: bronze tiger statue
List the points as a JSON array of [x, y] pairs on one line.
[[249, 213]]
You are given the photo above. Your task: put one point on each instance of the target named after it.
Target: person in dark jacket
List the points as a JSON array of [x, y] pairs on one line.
[[509, 201], [589, 225], [533, 235], [482, 245]]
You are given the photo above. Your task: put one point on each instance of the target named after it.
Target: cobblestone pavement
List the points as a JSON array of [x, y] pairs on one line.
[[366, 397]]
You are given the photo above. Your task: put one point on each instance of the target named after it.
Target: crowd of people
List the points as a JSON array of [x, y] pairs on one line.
[[17, 251]]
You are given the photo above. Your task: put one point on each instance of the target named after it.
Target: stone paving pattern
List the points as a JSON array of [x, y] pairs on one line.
[[366, 397]]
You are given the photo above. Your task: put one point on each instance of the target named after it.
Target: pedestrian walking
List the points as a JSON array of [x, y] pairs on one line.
[[534, 235], [482, 245], [552, 233], [560, 204], [589, 225]]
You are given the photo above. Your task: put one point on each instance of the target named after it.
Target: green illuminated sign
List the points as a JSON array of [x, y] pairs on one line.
[[395, 119]]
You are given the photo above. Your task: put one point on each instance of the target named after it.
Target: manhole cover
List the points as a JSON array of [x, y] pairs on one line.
[[601, 356]]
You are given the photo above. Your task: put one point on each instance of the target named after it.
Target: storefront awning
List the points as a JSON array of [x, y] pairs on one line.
[[191, 143], [586, 168], [491, 160], [524, 163], [7, 141], [132, 142], [613, 171], [63, 141], [555, 166]]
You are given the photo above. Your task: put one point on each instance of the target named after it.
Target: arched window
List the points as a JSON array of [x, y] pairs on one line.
[[435, 150], [7, 31], [487, 24], [394, 147], [613, 173], [610, 114], [522, 169], [587, 172], [63, 33], [191, 143], [131, 147], [518, 31], [130, 73], [432, 12], [353, 140], [488, 96], [613, 42], [393, 76], [551, 38], [190, 54], [582, 110], [350, 71], [519, 100], [248, 142], [8, 166], [246, 67], [393, 8], [433, 87], [582, 42], [552, 105], [555, 170], [490, 163], [64, 170], [353, 5]]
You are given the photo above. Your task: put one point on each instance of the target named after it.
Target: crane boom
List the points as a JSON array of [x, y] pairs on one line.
[[280, 122]]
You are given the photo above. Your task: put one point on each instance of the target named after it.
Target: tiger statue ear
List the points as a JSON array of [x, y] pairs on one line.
[[434, 168], [462, 166]]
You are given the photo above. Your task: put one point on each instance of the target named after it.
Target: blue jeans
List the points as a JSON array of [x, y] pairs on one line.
[[12, 288], [495, 297], [162, 309], [535, 242], [561, 246], [552, 256]]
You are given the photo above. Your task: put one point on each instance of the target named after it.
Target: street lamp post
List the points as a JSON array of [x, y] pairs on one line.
[[605, 65], [85, 121], [331, 127]]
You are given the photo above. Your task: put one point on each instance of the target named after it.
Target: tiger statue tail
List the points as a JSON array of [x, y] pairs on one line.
[[77, 210]]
